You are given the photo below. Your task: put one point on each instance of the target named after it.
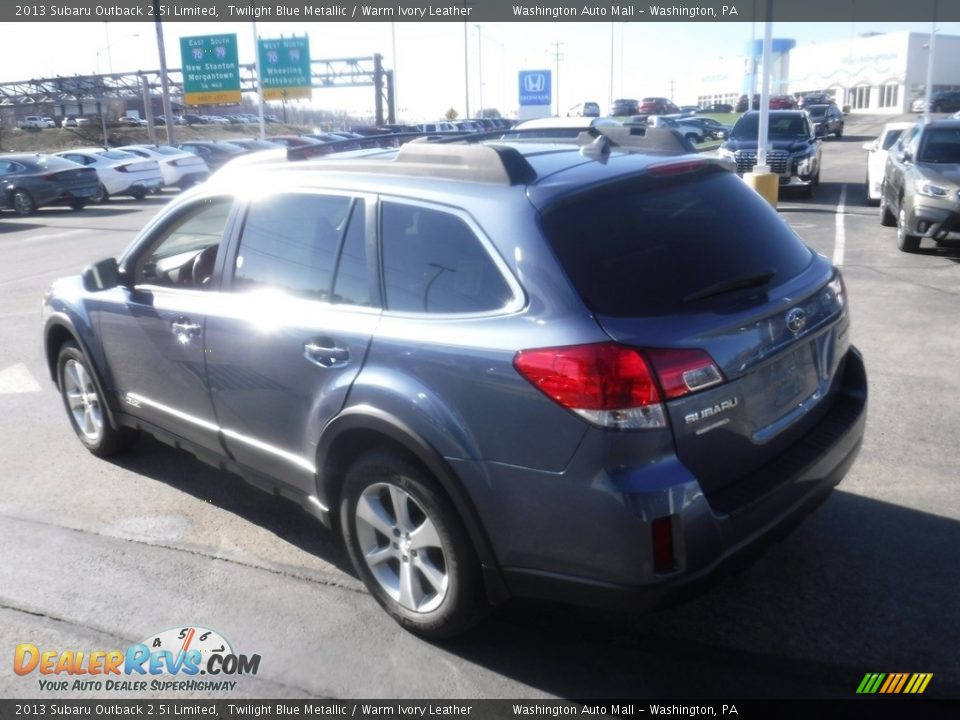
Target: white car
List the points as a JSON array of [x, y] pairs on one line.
[[689, 128], [120, 173], [178, 167], [918, 105], [33, 122], [438, 127], [877, 157]]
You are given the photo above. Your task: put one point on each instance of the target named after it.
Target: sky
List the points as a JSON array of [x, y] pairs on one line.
[[638, 59]]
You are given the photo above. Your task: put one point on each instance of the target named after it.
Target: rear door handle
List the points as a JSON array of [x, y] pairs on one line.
[[184, 329], [325, 353]]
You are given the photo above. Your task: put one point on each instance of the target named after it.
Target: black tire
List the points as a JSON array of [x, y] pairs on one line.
[[22, 203], [102, 441], [375, 480], [78, 204], [905, 241], [839, 132], [101, 195], [887, 218], [695, 139], [139, 194]]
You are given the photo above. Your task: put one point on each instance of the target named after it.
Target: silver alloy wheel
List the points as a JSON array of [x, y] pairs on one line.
[[401, 547], [83, 400]]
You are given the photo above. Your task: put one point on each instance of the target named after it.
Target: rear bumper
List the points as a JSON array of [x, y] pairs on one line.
[[714, 537]]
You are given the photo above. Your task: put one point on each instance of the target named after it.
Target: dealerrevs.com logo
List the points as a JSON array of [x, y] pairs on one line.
[[167, 661]]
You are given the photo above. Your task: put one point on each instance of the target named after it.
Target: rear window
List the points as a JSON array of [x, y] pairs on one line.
[[52, 162], [166, 150], [116, 154], [639, 249]]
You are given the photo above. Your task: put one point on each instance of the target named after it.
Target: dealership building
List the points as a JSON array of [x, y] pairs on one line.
[[876, 73]]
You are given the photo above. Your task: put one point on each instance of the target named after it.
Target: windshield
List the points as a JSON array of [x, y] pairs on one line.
[[940, 145], [817, 111], [891, 137], [781, 126]]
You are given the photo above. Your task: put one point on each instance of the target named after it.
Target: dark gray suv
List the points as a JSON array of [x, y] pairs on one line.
[[579, 371]]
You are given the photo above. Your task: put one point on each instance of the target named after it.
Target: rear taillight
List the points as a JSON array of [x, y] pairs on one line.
[[684, 371], [182, 162], [608, 384], [122, 168], [614, 386]]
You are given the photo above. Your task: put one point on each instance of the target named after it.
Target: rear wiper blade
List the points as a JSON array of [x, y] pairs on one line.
[[726, 286]]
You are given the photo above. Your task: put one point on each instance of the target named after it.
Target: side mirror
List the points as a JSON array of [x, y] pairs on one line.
[[821, 131], [102, 275], [904, 156], [871, 146]]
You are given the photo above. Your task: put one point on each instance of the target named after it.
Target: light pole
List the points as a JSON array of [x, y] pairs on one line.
[[165, 82], [610, 103], [557, 56], [393, 60], [480, 67], [102, 102], [932, 46], [466, 72]]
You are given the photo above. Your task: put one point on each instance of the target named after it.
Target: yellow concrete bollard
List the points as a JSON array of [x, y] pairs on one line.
[[766, 183]]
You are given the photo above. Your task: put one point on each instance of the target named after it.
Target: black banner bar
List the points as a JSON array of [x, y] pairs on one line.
[[873, 708], [480, 10]]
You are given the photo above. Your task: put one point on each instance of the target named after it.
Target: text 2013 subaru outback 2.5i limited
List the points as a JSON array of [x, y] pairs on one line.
[[594, 374]]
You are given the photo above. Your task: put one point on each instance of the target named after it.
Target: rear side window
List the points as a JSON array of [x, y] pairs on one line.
[[645, 248], [290, 242], [434, 263]]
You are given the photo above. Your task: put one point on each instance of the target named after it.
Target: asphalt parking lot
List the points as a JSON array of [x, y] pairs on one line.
[[100, 555]]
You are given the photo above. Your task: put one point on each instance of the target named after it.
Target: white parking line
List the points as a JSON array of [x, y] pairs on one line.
[[840, 241], [44, 237], [17, 379]]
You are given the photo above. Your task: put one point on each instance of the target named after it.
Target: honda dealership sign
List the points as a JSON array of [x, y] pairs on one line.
[[535, 87]]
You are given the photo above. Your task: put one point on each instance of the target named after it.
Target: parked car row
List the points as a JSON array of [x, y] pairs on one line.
[[78, 177]]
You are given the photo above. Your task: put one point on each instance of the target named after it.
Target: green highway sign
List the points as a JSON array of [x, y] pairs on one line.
[[285, 68], [211, 70]]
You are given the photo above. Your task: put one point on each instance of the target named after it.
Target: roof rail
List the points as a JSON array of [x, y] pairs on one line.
[[419, 157]]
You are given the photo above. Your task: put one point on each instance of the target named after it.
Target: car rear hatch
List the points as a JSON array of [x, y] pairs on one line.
[[689, 258]]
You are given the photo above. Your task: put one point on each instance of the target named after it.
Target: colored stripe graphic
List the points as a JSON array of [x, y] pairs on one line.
[[894, 683]]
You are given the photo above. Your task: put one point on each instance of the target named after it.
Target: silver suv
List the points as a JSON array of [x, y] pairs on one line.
[[597, 370]]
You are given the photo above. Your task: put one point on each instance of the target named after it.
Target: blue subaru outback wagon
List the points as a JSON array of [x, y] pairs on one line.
[[594, 370]]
